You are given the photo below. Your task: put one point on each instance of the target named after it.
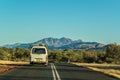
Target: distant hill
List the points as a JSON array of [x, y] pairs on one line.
[[61, 43]]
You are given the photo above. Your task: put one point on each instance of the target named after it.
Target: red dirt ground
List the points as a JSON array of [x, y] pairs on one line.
[[4, 68]]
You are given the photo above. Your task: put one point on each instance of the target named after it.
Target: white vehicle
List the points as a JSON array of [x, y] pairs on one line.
[[39, 55]]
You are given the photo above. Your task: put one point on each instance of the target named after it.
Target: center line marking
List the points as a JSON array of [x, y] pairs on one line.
[[55, 72]]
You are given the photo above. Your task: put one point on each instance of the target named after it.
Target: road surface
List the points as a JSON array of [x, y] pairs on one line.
[[53, 72]]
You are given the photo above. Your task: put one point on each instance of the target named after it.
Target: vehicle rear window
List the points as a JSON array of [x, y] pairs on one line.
[[38, 51]]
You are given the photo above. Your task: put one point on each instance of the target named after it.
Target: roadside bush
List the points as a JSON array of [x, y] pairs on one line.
[[101, 58], [113, 53], [89, 57]]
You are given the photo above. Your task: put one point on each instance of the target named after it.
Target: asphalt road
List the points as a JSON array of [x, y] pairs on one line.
[[53, 72]]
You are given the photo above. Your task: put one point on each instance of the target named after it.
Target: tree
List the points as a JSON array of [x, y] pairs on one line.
[[5, 53], [1, 54], [89, 56], [113, 53], [101, 56], [19, 53]]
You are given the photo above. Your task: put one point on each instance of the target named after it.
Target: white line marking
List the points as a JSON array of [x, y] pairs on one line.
[[55, 72]]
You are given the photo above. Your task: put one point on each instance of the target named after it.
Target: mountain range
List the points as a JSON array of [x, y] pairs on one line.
[[60, 43]]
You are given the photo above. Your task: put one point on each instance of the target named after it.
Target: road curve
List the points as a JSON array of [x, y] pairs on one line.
[[53, 72]]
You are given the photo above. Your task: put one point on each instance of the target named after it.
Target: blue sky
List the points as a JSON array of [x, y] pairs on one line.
[[27, 21]]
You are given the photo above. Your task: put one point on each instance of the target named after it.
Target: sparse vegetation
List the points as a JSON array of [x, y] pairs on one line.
[[111, 55], [86, 56], [17, 54]]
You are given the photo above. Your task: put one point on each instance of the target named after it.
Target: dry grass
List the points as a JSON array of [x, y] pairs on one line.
[[95, 65], [111, 72], [12, 63]]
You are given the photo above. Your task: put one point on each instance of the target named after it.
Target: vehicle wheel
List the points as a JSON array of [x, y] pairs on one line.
[[31, 62], [46, 65]]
